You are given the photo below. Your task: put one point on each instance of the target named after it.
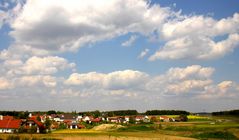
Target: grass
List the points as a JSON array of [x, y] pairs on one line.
[[137, 128]]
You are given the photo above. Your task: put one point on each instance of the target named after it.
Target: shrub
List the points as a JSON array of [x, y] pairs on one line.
[[216, 135]]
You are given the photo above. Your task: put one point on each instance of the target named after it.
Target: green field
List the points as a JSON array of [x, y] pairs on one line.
[[197, 127]]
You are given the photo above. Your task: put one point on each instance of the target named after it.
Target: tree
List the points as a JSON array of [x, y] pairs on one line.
[[183, 117], [153, 119], [48, 123], [96, 114], [51, 112], [38, 118], [62, 126], [131, 120]]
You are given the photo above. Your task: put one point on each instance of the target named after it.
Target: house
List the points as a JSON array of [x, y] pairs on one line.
[[88, 119], [67, 117], [144, 119], [30, 123], [96, 120], [139, 118], [113, 119], [80, 126], [166, 119], [56, 118], [127, 118], [10, 125], [7, 118]]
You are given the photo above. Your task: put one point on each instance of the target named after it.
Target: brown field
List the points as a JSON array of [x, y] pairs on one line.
[[102, 136]]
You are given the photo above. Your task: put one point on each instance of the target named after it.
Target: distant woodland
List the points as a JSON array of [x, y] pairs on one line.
[[230, 112], [97, 113]]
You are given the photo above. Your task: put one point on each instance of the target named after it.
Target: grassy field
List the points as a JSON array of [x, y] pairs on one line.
[[216, 128]]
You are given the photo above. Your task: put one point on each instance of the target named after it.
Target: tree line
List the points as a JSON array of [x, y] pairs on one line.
[[230, 112], [96, 113], [166, 112]]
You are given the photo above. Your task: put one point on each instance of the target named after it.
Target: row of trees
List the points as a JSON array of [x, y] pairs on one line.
[[166, 112], [231, 112], [97, 113]]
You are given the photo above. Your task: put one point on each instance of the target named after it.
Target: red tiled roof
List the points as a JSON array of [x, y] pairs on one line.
[[10, 123], [80, 126], [139, 117], [164, 117], [96, 120], [67, 121], [8, 117], [39, 124], [33, 117]]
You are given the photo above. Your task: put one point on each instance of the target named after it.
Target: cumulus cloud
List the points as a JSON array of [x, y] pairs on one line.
[[34, 71], [45, 65], [115, 80], [5, 84], [182, 80], [196, 48], [17, 51], [35, 81], [191, 79], [7, 15], [194, 37], [37, 65], [225, 89], [72, 24], [129, 42], [143, 53]]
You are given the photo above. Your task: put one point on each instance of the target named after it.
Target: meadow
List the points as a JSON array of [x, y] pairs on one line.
[[197, 127]]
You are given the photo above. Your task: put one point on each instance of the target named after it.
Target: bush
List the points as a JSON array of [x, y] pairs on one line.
[[183, 117], [216, 135]]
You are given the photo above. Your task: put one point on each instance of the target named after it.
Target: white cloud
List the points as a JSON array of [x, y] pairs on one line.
[[5, 84], [190, 79], [225, 89], [38, 65], [143, 53], [35, 81], [196, 48], [130, 42], [72, 24], [7, 15], [115, 80], [125, 79], [17, 51], [88, 79], [194, 38]]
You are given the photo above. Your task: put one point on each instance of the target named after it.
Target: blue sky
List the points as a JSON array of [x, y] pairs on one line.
[[130, 54]]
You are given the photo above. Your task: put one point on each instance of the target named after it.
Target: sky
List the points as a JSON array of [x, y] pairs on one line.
[[121, 54]]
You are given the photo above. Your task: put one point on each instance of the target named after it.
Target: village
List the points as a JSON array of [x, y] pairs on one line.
[[35, 123]]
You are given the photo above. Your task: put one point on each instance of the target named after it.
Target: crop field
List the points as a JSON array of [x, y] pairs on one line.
[[198, 127]]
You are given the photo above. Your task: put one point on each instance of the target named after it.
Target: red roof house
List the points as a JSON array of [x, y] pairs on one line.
[[33, 122], [8, 117], [10, 125], [166, 119]]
